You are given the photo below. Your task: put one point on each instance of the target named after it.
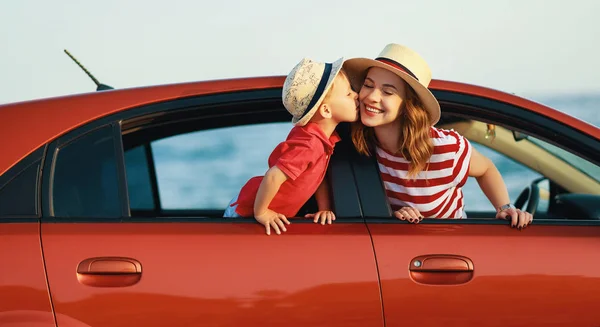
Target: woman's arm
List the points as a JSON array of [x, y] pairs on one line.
[[491, 183], [489, 179]]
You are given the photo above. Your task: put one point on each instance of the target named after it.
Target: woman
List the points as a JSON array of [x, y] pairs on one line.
[[423, 168]]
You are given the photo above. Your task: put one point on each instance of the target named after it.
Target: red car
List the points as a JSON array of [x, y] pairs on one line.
[[111, 210]]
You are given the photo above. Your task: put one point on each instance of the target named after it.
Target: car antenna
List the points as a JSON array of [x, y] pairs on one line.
[[100, 86]]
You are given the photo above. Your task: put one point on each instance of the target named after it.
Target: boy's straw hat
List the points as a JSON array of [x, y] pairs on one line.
[[306, 86], [405, 63]]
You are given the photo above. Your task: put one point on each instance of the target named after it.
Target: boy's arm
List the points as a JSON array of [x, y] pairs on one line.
[[323, 197], [266, 192]]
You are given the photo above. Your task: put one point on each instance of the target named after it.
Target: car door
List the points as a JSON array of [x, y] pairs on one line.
[[134, 234], [478, 271], [23, 291]]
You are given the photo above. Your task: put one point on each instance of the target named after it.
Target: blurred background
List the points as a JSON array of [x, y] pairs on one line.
[[544, 50]]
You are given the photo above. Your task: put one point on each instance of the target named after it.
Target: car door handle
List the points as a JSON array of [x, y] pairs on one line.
[[109, 272], [441, 269]]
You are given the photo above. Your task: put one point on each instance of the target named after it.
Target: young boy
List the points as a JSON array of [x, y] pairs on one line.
[[319, 97]]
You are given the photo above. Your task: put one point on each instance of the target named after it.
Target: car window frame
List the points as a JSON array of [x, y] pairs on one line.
[[50, 165], [204, 104]]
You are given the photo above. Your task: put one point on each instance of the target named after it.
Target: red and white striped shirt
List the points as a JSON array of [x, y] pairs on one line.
[[436, 191]]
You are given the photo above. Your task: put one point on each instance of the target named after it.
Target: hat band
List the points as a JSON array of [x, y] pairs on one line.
[[320, 89], [397, 65]]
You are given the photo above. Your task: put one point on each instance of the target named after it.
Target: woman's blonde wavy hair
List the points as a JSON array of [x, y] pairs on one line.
[[415, 138]]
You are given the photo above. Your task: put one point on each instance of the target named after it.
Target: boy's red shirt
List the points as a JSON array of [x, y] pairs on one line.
[[303, 157]]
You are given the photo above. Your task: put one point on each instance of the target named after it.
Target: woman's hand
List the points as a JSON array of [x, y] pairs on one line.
[[409, 213], [323, 215], [518, 218]]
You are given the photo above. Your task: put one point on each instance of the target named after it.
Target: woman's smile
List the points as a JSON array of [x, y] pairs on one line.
[[372, 111]]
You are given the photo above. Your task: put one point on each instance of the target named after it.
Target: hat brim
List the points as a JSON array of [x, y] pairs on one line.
[[357, 69], [336, 66]]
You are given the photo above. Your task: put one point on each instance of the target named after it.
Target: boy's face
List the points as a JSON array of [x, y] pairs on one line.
[[342, 100]]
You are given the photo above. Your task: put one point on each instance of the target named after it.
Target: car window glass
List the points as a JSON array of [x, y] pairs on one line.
[[19, 197], [516, 177], [85, 182], [139, 185], [581, 164], [206, 169]]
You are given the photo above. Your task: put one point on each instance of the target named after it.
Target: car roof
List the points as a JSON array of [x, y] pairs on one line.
[[25, 126]]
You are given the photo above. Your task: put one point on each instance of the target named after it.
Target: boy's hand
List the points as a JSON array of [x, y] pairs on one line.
[[270, 218], [324, 215]]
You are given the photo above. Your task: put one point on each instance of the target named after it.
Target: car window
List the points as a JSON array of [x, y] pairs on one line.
[[201, 170], [516, 177], [19, 196], [579, 163], [85, 182], [139, 182]]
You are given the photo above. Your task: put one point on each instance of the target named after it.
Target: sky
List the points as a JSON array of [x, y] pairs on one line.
[[527, 47]]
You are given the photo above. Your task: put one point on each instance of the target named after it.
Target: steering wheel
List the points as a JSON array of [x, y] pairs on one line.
[[531, 195]]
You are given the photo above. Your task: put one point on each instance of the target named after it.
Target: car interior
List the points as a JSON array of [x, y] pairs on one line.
[[571, 191]]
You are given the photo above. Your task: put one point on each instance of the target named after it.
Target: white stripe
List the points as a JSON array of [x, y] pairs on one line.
[[444, 140], [421, 175], [451, 208], [447, 196], [423, 190], [434, 157], [442, 157], [460, 210], [384, 154], [466, 161], [454, 206]]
